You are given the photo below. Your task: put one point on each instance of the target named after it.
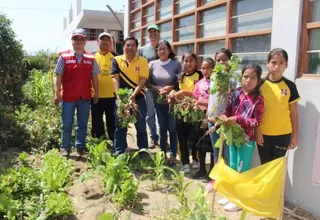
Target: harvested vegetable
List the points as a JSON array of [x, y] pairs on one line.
[[127, 109], [233, 134]]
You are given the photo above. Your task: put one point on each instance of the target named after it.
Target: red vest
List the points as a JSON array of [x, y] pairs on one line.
[[77, 77]]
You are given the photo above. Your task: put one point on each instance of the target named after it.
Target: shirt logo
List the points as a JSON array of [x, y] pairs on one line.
[[137, 68], [70, 61], [284, 92], [87, 62]]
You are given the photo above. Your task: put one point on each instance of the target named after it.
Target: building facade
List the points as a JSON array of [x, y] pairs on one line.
[[251, 28], [94, 22]]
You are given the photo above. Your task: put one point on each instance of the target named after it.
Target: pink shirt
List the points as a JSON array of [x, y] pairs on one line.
[[201, 89]]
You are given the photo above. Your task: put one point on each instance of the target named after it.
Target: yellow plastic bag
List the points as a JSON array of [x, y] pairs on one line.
[[257, 190]]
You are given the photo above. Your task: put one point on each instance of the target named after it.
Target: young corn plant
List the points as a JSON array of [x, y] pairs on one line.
[[180, 186], [157, 172]]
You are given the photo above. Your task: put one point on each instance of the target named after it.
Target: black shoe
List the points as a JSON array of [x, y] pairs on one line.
[[199, 175], [170, 163], [81, 151], [65, 152], [152, 144], [207, 179]]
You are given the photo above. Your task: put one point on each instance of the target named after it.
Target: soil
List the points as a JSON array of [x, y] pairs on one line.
[[90, 202]]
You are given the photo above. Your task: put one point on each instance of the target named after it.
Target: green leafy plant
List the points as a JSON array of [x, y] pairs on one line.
[[222, 77], [55, 171], [118, 180], [126, 110], [96, 153], [57, 204], [233, 134]]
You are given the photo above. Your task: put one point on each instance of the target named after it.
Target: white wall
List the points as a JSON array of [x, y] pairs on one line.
[[286, 34]]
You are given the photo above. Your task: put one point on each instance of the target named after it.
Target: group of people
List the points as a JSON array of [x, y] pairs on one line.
[[266, 108]]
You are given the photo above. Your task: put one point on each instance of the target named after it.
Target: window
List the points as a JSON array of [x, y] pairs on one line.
[[148, 14], [311, 38], [185, 5], [213, 22], [251, 15], [93, 34], [146, 39], [208, 49], [204, 26], [180, 50], [135, 4], [185, 28], [137, 35], [136, 20], [165, 31], [165, 9], [252, 49]]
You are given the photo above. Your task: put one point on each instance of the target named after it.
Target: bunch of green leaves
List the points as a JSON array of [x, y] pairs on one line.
[[118, 180], [233, 134], [222, 77], [57, 204], [187, 110], [55, 171], [97, 152], [126, 110]]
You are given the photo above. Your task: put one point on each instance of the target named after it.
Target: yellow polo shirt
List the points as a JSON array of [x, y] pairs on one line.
[[105, 83], [189, 81], [130, 73], [278, 96]]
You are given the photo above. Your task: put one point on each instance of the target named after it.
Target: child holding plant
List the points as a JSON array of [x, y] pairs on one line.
[[201, 94], [215, 107], [278, 131], [245, 107], [187, 80]]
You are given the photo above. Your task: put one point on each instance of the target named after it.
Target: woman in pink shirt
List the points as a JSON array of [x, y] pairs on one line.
[[201, 94]]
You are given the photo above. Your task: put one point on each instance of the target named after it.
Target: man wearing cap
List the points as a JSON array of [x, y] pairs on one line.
[[149, 52], [76, 71], [106, 103]]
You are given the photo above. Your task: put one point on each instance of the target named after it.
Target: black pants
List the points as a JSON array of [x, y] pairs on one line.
[[274, 147], [183, 133], [104, 106]]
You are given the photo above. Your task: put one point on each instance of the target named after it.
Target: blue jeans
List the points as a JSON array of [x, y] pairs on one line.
[[225, 153], [68, 109], [120, 134], [166, 123], [151, 116]]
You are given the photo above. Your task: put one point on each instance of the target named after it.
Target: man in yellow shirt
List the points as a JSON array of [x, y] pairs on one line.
[[106, 103], [131, 71]]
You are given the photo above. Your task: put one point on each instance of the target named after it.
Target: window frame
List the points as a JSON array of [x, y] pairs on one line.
[[306, 26]]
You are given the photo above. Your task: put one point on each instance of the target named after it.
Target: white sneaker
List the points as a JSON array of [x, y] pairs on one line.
[[195, 165], [231, 207], [223, 202], [186, 169]]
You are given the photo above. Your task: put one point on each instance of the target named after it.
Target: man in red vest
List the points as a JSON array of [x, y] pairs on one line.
[[76, 71]]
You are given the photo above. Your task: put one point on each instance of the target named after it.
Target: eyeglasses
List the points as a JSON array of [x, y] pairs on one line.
[[78, 39], [163, 49]]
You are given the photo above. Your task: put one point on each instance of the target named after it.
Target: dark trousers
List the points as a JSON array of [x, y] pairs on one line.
[[120, 136], [166, 123], [184, 132], [104, 106], [273, 147]]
